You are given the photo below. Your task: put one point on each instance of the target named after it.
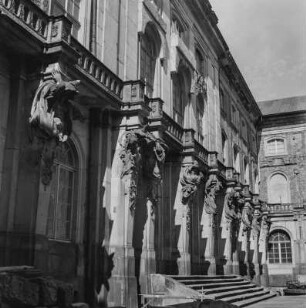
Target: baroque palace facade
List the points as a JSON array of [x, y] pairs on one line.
[[283, 175], [129, 146]]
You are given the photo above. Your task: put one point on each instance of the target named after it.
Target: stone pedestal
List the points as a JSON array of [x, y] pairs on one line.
[[209, 254], [148, 258], [183, 262], [228, 267], [123, 284]]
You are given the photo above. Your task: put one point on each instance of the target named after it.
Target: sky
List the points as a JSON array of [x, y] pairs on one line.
[[267, 39]]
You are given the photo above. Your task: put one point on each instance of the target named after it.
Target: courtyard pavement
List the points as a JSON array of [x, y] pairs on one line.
[[282, 302]]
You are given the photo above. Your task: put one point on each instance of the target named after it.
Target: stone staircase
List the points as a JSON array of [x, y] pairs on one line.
[[233, 290]]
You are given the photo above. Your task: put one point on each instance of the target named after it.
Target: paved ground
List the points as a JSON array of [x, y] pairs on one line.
[[282, 302]]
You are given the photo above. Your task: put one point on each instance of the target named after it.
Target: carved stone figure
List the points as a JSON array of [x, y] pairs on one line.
[[198, 84], [247, 216], [51, 118], [264, 228], [256, 224], [229, 207], [141, 151], [212, 186], [52, 111], [190, 181]]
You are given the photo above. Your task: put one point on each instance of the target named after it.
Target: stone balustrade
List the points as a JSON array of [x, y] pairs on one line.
[[280, 208], [28, 14], [174, 129], [89, 64]]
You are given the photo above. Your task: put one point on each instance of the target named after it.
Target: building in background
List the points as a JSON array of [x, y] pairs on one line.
[[283, 176], [148, 165]]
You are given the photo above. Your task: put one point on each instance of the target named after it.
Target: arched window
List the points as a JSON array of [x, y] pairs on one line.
[[199, 115], [224, 149], [246, 171], [150, 46], [180, 83], [63, 194], [276, 146], [199, 62], [178, 28], [256, 180], [279, 247], [178, 97], [236, 159], [278, 189]]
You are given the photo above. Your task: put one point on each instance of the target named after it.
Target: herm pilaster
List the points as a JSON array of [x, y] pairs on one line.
[[190, 180]]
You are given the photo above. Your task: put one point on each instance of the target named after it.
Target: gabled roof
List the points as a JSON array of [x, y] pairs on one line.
[[283, 105]]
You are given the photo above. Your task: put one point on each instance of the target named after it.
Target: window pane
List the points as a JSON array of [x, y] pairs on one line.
[[61, 196], [279, 248]]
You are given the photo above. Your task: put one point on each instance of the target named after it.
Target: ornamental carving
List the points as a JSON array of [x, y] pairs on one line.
[[190, 180], [264, 228], [52, 109], [51, 118], [142, 152], [198, 84], [213, 185], [256, 224], [247, 216]]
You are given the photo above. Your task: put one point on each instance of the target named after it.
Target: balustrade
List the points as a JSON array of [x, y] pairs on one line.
[[95, 68]]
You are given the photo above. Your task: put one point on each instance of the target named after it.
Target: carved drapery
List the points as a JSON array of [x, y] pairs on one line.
[[264, 228], [212, 186], [256, 224], [51, 117], [190, 181], [141, 151]]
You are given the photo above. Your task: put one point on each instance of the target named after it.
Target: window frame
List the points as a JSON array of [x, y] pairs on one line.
[[280, 248], [270, 139], [287, 189], [53, 218]]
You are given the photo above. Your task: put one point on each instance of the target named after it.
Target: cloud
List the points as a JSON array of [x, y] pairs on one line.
[[268, 42]]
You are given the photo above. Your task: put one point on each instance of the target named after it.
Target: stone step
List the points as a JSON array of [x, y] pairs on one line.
[[207, 281], [216, 285], [193, 277], [254, 300], [222, 295], [244, 296], [231, 288]]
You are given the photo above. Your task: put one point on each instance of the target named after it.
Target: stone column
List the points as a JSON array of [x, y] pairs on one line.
[[212, 186], [189, 182], [263, 241]]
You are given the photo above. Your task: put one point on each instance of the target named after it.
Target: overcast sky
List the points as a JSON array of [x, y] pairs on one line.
[[268, 41]]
